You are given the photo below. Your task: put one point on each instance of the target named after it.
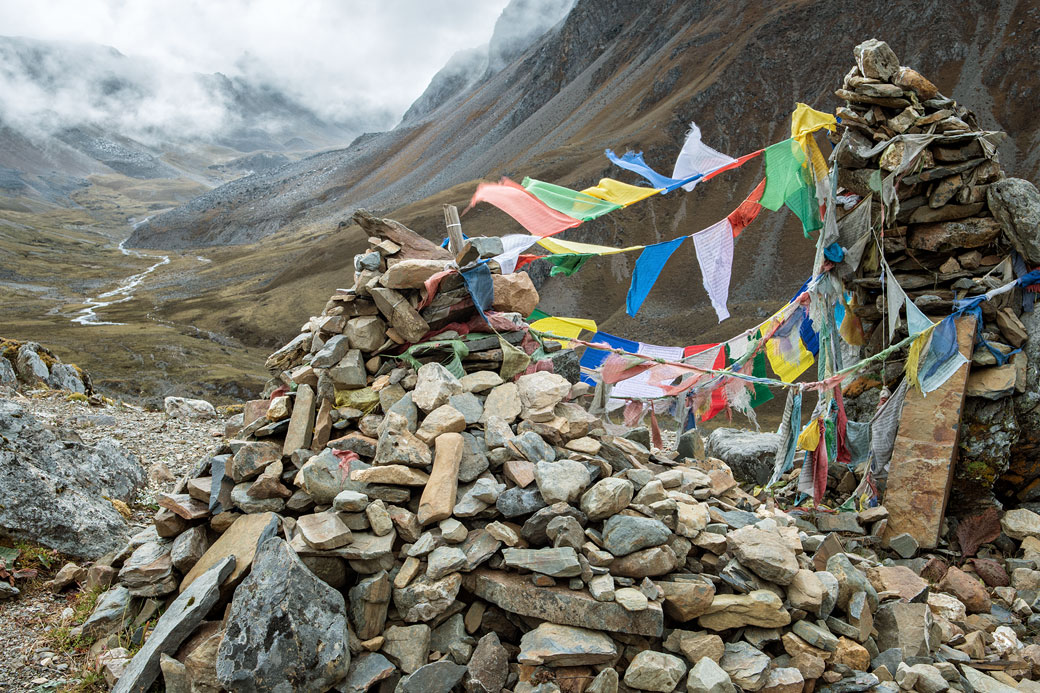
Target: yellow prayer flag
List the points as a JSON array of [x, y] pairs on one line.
[[620, 193], [787, 370], [564, 327], [557, 246], [804, 122], [809, 438]]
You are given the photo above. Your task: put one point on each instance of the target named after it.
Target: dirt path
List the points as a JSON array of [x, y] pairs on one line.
[[28, 658]]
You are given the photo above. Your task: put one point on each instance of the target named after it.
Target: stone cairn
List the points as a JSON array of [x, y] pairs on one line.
[[371, 527], [956, 221]]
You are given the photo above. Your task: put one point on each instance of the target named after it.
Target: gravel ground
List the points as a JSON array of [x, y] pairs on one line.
[[26, 663]]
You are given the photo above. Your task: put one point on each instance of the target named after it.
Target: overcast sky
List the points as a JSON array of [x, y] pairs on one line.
[[333, 55]]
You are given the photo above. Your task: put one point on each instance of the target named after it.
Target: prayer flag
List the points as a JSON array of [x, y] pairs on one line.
[[648, 268], [639, 385], [558, 246], [594, 358], [620, 193], [570, 202], [714, 246], [512, 246], [530, 212], [478, 283], [695, 158], [741, 217], [804, 122], [709, 356], [567, 263], [787, 183], [564, 327], [633, 161]]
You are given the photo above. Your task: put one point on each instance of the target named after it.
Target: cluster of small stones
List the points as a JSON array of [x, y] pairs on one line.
[[948, 234]]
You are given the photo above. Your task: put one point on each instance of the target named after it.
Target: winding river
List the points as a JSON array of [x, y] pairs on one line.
[[122, 293]]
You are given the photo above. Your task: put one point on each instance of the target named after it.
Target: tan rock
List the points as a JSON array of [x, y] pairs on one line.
[[240, 540], [438, 498], [687, 599], [852, 654], [757, 608], [805, 591], [443, 419], [514, 293], [968, 589], [323, 530], [410, 274], [900, 579], [394, 474]]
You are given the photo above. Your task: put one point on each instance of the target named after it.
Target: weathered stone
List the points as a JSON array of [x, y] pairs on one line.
[[708, 677], [749, 454], [943, 236], [561, 562], [180, 407], [392, 474], [906, 626], [876, 60], [503, 402], [323, 530], [1015, 203], [995, 382], [411, 273], [557, 645], [745, 665], [561, 481], [438, 498], [402, 447], [366, 670], [443, 419], [368, 605], [349, 373], [176, 624], [606, 497], [897, 578], [111, 612], [764, 553], [424, 599], [815, 635], [434, 387], [655, 671], [623, 534], [149, 564], [540, 392], [188, 548], [488, 668], [241, 499], [241, 541], [366, 333], [515, 594], [758, 608], [517, 501], [686, 599], [436, 677], [514, 293], [1020, 523], [409, 646], [480, 381], [402, 316], [251, 459], [968, 589], [652, 562]]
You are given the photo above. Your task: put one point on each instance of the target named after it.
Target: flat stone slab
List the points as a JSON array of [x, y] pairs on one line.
[[240, 540], [561, 605]]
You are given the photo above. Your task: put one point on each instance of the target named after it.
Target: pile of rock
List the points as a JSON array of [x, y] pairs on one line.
[[419, 530], [26, 365], [950, 223]]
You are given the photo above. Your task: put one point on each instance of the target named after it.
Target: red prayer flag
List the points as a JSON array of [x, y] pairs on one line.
[[718, 396], [743, 215], [533, 214]]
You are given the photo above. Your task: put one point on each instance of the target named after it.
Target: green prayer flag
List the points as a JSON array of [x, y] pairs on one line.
[[788, 183], [537, 315], [514, 360], [570, 202], [762, 392], [567, 263]]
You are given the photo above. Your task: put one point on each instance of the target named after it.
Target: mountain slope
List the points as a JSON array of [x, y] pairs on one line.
[[616, 74]]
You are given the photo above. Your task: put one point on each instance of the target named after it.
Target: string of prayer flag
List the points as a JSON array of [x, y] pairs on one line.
[[570, 202], [714, 246], [530, 212], [696, 158]]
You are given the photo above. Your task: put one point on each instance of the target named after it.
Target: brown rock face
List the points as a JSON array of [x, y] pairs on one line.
[[949, 235], [966, 588]]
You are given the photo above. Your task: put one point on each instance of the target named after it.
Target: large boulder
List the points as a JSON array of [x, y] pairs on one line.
[[286, 629], [989, 430], [1024, 463], [750, 455], [1015, 203], [63, 487]]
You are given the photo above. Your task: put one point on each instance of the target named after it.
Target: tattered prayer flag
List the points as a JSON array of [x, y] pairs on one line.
[[514, 360], [804, 122], [809, 438], [714, 246], [478, 283], [787, 355], [633, 161], [709, 356], [741, 217], [736, 164], [594, 358], [896, 298], [784, 174], [916, 321], [570, 202], [620, 193], [648, 268], [559, 246], [512, 246], [697, 158], [564, 327], [567, 263], [639, 386], [530, 212]]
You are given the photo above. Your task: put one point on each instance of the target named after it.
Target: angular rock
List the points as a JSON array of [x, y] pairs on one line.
[[749, 454], [764, 553], [623, 534], [606, 497], [408, 645], [708, 677], [745, 665], [241, 541], [286, 628], [555, 645], [514, 293], [434, 387], [757, 608], [561, 481], [438, 498], [424, 599], [655, 671]]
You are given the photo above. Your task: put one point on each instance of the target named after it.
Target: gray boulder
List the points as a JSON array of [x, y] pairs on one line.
[[65, 377], [30, 367], [63, 487], [1015, 203], [750, 455], [7, 374], [286, 629]]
